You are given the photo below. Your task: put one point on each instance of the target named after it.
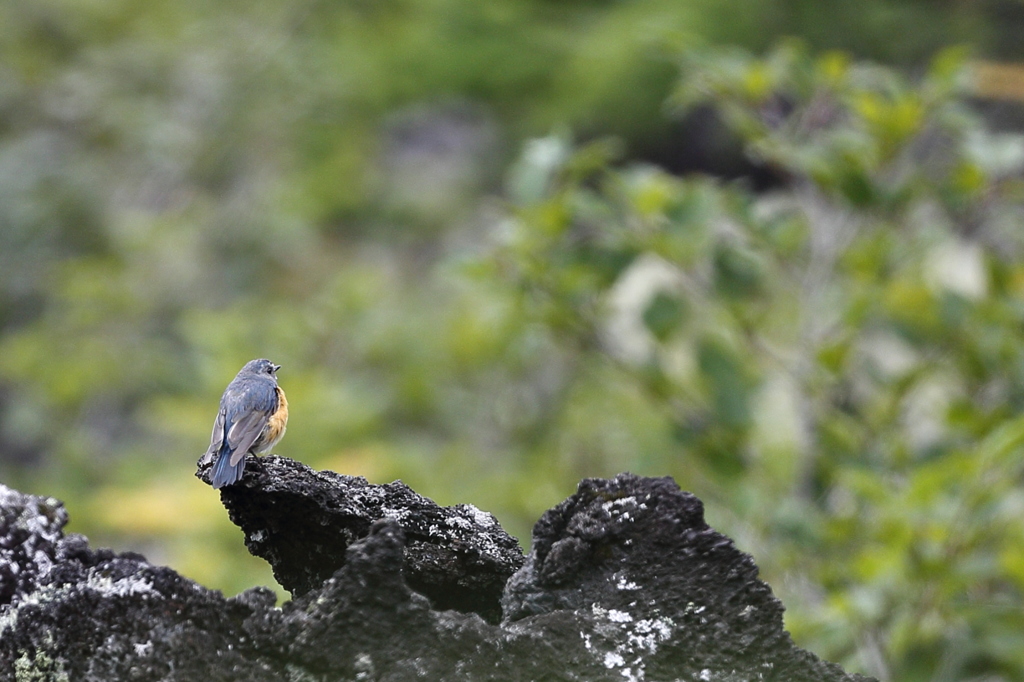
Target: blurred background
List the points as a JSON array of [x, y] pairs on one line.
[[501, 246]]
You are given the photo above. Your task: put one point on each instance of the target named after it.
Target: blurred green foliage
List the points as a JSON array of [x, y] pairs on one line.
[[834, 367]]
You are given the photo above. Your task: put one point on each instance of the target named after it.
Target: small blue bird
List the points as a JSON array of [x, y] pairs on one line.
[[252, 418]]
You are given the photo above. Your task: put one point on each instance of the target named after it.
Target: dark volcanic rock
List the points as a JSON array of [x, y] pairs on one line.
[[625, 582], [302, 521], [636, 553], [29, 530], [77, 614]]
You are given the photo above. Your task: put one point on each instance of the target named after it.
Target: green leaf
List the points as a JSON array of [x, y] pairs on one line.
[[664, 314]]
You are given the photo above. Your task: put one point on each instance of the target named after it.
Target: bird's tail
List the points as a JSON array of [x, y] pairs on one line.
[[223, 472]]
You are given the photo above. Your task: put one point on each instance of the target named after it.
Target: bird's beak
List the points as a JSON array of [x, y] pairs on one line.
[[276, 367]]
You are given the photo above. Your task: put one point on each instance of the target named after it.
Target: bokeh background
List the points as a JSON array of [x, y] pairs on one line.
[[500, 246]]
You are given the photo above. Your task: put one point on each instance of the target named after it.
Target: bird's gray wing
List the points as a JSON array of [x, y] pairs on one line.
[[244, 431], [216, 438]]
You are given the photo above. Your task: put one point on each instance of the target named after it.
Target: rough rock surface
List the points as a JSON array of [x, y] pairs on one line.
[[665, 592], [625, 582], [302, 521]]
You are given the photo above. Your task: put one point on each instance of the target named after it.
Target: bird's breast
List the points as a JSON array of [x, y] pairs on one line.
[[277, 422]]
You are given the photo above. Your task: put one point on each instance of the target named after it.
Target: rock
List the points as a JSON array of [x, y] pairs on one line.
[[30, 528], [625, 582], [302, 522], [662, 591], [72, 613]]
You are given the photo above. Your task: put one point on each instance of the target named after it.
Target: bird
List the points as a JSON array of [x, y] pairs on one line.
[[252, 418]]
